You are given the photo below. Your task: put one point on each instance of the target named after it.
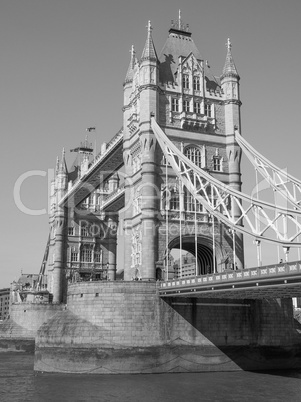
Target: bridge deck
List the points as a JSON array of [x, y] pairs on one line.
[[280, 280]]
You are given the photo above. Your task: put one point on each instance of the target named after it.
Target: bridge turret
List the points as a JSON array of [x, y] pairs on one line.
[[130, 123], [59, 223], [230, 85], [149, 105], [140, 101], [149, 60]]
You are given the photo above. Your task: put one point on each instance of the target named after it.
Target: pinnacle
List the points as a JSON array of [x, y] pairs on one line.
[[149, 51], [63, 165], [229, 67], [130, 72]]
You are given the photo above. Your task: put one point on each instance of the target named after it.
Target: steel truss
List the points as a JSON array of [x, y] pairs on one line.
[[283, 183], [240, 212]]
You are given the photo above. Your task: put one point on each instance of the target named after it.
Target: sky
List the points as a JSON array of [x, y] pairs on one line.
[[63, 63]]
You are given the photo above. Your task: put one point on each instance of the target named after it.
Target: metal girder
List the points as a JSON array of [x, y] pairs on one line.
[[283, 183], [240, 212]]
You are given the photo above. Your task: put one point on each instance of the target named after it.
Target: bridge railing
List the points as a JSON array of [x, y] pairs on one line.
[[268, 271]]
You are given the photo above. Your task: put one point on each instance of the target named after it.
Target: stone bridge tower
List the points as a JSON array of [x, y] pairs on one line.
[[198, 112]]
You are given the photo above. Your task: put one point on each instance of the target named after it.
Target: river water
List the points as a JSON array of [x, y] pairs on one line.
[[18, 382]]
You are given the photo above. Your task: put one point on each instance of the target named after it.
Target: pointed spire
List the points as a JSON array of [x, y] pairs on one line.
[[63, 165], [130, 72], [229, 67], [149, 51]]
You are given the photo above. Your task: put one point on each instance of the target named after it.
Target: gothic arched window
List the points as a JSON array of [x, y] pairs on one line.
[[185, 81], [196, 83], [196, 155]]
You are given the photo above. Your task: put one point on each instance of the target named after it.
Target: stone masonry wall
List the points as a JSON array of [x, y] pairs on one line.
[[125, 327], [26, 318]]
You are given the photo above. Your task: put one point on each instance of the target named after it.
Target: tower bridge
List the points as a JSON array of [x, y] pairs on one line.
[[169, 180]]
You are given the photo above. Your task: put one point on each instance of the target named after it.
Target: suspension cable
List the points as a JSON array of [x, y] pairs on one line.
[[166, 220], [295, 196], [213, 235], [257, 222], [181, 200], [275, 202], [195, 232]]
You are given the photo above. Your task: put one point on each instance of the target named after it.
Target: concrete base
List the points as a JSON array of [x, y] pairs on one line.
[[17, 345], [167, 359]]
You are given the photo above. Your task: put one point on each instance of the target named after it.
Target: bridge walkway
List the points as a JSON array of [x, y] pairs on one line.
[[271, 281]]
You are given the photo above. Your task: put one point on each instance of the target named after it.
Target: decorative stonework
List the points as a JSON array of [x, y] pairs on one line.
[[136, 247]]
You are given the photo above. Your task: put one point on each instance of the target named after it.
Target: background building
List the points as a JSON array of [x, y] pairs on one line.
[[4, 303]]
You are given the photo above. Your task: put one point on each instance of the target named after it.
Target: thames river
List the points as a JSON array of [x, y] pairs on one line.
[[18, 382]]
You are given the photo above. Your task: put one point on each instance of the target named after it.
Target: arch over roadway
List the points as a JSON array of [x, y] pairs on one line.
[[204, 252]]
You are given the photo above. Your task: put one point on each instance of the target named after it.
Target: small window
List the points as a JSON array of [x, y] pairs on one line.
[[197, 107], [217, 164], [185, 81], [71, 231], [97, 256], [175, 104], [196, 83], [186, 106], [208, 109], [174, 200], [96, 294], [74, 256], [84, 231]]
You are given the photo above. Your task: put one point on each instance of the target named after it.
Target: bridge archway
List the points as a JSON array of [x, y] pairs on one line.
[[204, 252]]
